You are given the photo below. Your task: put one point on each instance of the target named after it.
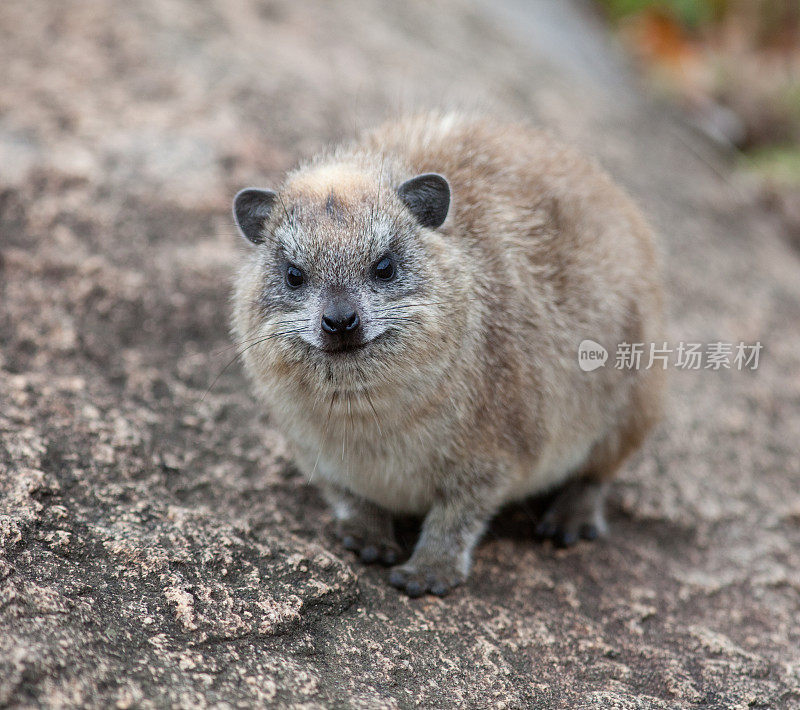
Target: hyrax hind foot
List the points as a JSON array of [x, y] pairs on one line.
[[576, 512], [364, 528], [369, 544], [416, 579]]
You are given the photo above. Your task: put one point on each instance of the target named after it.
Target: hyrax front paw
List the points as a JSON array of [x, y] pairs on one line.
[[416, 579], [370, 545]]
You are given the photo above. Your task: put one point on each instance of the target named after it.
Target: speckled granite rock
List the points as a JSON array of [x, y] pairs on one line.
[[157, 547]]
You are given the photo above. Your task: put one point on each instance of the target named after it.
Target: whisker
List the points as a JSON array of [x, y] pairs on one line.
[[396, 220], [290, 320], [268, 236], [285, 211], [376, 209], [372, 407], [344, 437], [324, 438], [347, 422], [242, 352], [421, 305], [256, 337], [393, 319], [224, 369]]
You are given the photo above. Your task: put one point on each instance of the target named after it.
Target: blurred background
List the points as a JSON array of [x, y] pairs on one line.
[[734, 66], [157, 546]]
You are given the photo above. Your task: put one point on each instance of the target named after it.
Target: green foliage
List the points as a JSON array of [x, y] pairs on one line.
[[691, 14], [777, 163], [791, 100]]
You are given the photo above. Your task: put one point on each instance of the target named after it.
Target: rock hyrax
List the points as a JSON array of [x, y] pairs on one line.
[[411, 310]]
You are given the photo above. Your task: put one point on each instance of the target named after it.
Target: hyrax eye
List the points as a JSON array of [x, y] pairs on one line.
[[385, 269], [294, 276]]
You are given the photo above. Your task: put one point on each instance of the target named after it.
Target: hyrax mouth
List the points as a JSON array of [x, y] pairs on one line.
[[344, 349], [348, 348]]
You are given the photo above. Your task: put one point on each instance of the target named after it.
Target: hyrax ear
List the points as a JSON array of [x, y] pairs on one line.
[[427, 197], [251, 207]]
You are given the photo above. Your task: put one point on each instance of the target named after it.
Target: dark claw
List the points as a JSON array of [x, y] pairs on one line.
[[414, 589], [589, 531], [369, 554], [565, 539], [389, 556], [545, 530], [350, 543], [440, 589], [397, 579]]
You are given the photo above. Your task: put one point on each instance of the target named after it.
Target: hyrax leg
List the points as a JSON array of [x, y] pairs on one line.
[[577, 512], [443, 555], [363, 527]]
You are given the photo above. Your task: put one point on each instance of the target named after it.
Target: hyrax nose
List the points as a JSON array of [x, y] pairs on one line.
[[340, 318]]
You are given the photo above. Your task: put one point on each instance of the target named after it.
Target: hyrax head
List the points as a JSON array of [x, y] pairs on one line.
[[346, 280]]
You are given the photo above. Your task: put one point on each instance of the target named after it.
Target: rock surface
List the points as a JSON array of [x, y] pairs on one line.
[[157, 548]]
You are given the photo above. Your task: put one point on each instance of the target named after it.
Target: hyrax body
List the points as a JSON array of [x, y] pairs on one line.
[[411, 314]]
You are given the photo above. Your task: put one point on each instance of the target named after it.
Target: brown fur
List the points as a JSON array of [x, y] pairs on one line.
[[478, 399]]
